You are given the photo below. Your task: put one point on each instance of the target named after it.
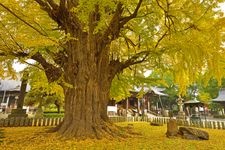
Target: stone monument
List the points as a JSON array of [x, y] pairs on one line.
[[181, 114], [19, 112]]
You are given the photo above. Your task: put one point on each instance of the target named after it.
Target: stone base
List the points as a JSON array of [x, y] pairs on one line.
[[18, 113], [181, 115], [172, 128]]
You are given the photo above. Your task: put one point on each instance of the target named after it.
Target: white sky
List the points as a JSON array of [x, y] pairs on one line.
[[19, 67]]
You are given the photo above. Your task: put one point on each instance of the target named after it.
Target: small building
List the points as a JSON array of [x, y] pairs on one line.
[[9, 93], [193, 107], [220, 98], [143, 105]]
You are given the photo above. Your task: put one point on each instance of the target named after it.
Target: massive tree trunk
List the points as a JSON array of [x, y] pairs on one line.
[[86, 67], [87, 90]]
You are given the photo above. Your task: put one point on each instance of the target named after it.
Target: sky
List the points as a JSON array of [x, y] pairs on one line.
[[19, 67]]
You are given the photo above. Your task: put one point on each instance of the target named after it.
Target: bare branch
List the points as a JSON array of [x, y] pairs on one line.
[[11, 36], [52, 72], [51, 8], [13, 53], [117, 22], [44, 5], [10, 11], [160, 6], [30, 64], [161, 38], [116, 66], [136, 59], [124, 20], [114, 27]]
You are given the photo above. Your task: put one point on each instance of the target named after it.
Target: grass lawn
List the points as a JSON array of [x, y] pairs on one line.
[[152, 138]]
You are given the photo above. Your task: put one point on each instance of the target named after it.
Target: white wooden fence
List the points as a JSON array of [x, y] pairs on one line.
[[165, 120], [21, 122]]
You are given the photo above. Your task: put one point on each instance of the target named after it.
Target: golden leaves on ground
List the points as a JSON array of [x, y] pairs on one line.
[[153, 138]]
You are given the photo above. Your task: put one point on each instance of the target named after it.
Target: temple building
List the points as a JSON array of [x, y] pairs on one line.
[[9, 93]]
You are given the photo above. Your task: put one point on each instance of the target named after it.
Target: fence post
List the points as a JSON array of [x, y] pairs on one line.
[[34, 121], [218, 125], [1, 122], [61, 119], [50, 121], [57, 121], [6, 122], [12, 122], [222, 124], [17, 121], [44, 121], [30, 123], [214, 125], [210, 125], [203, 124], [198, 124], [21, 121], [26, 121]]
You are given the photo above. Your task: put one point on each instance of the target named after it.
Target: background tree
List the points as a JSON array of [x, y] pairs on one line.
[[43, 93], [83, 44]]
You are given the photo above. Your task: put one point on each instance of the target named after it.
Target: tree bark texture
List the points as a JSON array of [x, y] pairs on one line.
[[87, 94], [86, 67]]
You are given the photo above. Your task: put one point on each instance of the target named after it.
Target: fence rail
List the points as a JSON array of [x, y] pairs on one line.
[[165, 120], [23, 122]]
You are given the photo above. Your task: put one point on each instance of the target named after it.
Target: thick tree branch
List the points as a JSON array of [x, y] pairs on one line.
[[13, 54], [114, 26], [71, 3], [59, 57], [52, 72], [136, 59], [44, 5], [62, 13], [124, 20], [53, 4], [116, 66], [51, 8], [117, 22]]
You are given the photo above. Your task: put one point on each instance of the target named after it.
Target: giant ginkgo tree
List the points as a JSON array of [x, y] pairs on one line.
[[83, 44]]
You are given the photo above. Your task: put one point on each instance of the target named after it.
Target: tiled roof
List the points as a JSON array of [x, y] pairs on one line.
[[11, 85], [221, 96]]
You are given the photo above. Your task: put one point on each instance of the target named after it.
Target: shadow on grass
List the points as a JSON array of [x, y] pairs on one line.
[[1, 135]]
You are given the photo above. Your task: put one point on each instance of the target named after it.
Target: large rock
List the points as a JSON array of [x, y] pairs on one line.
[[193, 134], [172, 129]]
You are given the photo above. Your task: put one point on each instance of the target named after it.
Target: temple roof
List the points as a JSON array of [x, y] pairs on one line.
[[158, 91], [221, 96], [194, 101], [11, 85]]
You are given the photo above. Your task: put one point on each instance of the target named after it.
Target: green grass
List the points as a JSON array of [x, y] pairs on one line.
[[53, 115], [152, 138]]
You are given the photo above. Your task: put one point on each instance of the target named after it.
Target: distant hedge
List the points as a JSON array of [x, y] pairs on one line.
[[219, 116], [53, 115]]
